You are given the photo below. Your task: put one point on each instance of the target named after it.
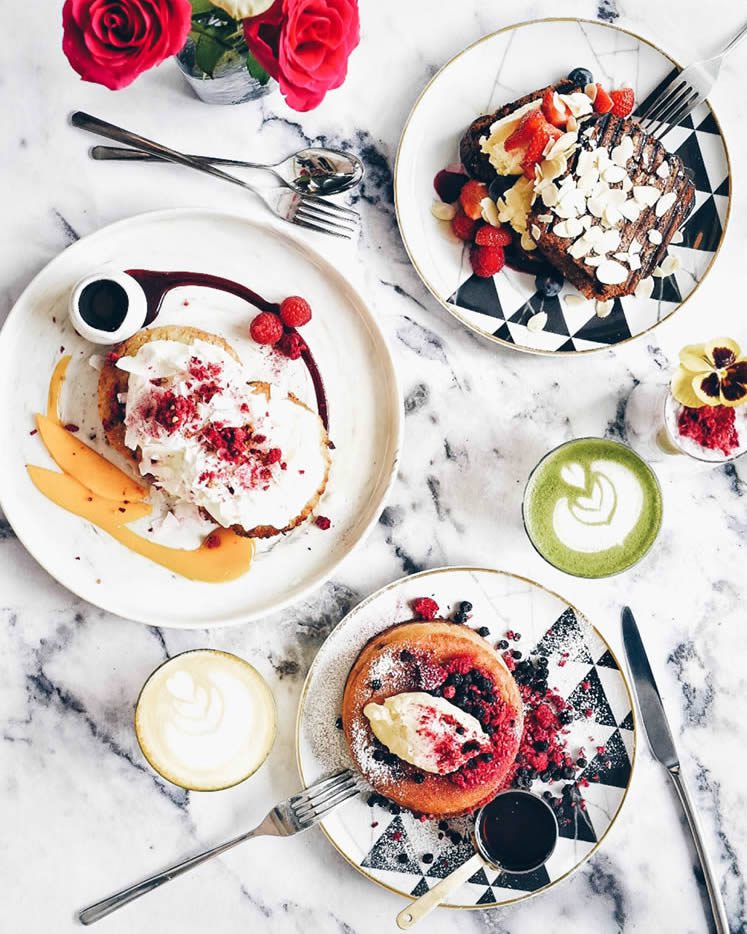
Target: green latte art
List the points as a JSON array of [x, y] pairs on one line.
[[592, 507]]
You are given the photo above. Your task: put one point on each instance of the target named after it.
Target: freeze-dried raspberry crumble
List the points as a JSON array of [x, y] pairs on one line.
[[711, 426], [425, 608]]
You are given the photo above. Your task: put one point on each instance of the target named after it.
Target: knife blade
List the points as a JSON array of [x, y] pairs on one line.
[[661, 741], [655, 723]]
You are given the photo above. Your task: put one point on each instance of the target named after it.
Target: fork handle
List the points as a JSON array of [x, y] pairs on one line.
[[106, 906], [711, 882], [118, 134], [733, 43], [123, 154]]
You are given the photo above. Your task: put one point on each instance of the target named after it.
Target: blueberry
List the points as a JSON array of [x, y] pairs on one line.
[[427, 857], [500, 185], [338, 723], [465, 606], [418, 778], [483, 631], [405, 656], [565, 716], [581, 762], [376, 685], [549, 284], [402, 858], [443, 825], [581, 77], [503, 644]]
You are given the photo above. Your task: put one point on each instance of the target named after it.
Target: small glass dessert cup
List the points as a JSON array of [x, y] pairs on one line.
[[205, 720], [700, 414]]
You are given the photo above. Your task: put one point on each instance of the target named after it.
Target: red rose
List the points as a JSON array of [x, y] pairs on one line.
[[305, 45], [111, 42]]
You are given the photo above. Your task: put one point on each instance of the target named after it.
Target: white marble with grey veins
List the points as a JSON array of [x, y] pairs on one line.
[[81, 813]]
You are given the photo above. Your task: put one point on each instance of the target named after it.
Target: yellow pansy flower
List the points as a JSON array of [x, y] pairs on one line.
[[713, 373]]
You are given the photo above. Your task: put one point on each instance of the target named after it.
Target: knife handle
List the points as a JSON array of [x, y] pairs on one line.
[[714, 892]]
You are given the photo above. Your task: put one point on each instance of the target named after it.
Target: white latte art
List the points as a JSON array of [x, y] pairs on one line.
[[205, 720], [604, 511]]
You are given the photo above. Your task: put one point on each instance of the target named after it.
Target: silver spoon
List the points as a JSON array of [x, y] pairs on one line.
[[516, 832], [315, 170]]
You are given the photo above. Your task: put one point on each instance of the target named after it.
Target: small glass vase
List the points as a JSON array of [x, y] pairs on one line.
[[231, 83]]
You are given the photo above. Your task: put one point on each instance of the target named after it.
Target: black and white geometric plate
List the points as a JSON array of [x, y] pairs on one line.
[[502, 67], [389, 849]]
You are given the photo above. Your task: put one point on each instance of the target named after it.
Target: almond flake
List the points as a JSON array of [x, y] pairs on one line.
[[604, 309], [535, 232], [623, 257], [665, 203], [634, 262], [444, 211], [594, 260], [677, 238], [612, 273], [645, 288], [591, 92], [571, 124], [622, 152], [609, 241], [654, 237], [575, 300], [545, 218], [631, 210], [663, 170], [568, 228], [627, 184], [634, 247], [646, 195], [671, 264], [527, 243], [580, 248], [489, 212], [537, 322], [613, 174], [550, 195]]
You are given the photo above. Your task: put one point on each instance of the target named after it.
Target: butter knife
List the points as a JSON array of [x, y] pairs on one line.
[[661, 742]]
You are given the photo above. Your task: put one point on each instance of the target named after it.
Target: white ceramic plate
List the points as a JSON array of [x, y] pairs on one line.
[[364, 407], [390, 848], [500, 68]]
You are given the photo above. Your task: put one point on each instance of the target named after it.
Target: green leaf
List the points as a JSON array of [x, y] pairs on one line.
[[201, 6], [208, 52], [256, 70]]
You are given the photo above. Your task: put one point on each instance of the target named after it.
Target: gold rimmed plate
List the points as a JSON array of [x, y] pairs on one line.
[[409, 856], [495, 71]]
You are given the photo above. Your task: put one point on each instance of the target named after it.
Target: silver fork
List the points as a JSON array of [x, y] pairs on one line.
[[298, 813], [305, 210], [684, 92]]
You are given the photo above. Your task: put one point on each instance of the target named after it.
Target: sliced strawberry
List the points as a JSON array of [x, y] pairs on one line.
[[486, 260], [602, 102], [534, 151], [463, 226], [623, 102], [470, 197], [528, 126], [554, 109], [492, 236]]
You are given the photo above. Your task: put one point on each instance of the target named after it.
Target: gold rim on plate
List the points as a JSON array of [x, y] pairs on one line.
[[525, 580], [454, 309]]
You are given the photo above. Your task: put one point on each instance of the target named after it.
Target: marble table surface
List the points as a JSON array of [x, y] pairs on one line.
[[81, 812]]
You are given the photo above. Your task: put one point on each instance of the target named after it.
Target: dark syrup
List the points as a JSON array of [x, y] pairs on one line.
[[103, 305], [156, 285], [518, 831]]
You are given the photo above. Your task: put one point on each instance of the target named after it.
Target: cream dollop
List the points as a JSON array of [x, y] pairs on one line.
[[603, 511], [185, 467], [205, 720], [422, 730]]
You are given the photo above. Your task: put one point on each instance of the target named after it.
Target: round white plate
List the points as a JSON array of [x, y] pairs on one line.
[[389, 848], [493, 72], [364, 406]]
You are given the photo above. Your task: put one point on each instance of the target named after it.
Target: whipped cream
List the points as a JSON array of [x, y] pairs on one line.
[[182, 402], [603, 512], [205, 720], [422, 730]]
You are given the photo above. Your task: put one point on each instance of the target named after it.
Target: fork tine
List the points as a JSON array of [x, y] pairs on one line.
[[329, 207], [322, 785], [308, 806], [662, 102], [309, 818], [307, 215], [674, 119], [319, 229], [311, 209]]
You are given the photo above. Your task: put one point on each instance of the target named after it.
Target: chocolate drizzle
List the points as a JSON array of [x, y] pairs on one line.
[[157, 285]]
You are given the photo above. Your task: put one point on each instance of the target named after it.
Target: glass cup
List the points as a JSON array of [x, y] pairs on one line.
[[592, 507]]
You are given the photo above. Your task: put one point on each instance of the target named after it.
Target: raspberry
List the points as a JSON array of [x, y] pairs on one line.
[[463, 226], [448, 185], [492, 236], [526, 129], [425, 608], [603, 103], [295, 311], [322, 522], [623, 101], [554, 109], [291, 345], [486, 260], [470, 197], [266, 328]]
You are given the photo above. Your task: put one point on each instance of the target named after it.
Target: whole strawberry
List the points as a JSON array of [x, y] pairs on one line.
[[295, 311], [486, 260], [623, 102], [470, 197]]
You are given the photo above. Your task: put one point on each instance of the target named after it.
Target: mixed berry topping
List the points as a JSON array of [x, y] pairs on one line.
[[279, 330]]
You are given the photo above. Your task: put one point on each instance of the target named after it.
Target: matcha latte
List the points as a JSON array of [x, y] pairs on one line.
[[592, 507]]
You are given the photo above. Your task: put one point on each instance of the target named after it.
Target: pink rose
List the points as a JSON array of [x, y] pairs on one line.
[[305, 45], [111, 42]]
